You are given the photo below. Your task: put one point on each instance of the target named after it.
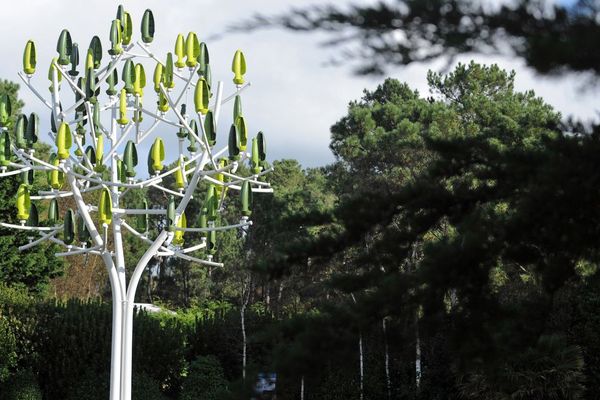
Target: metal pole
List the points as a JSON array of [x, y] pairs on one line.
[[129, 310]]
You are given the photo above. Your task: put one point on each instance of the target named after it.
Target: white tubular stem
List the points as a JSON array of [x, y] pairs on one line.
[[214, 228], [182, 120], [71, 248], [187, 84], [90, 166], [140, 236], [206, 144], [42, 239], [112, 102], [106, 183], [242, 179], [15, 165], [88, 110], [240, 90], [34, 159], [194, 248], [65, 75], [158, 178], [160, 118], [129, 310], [147, 133], [111, 66], [151, 211], [27, 228], [55, 97], [114, 146], [57, 195], [191, 187], [66, 254], [132, 55], [118, 281], [151, 55], [236, 187], [259, 190], [77, 162], [34, 91], [163, 251], [196, 260], [138, 185], [16, 172], [220, 152], [83, 210], [169, 191], [73, 107], [92, 189], [19, 154], [103, 130], [83, 250], [218, 102], [212, 171], [75, 121]]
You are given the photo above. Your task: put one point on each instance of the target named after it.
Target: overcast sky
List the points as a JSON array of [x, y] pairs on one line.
[[294, 98]]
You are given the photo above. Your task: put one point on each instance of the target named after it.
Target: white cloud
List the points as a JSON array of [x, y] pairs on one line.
[[293, 98]]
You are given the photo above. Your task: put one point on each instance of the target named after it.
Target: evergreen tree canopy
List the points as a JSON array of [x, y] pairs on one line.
[[36, 266], [470, 208], [551, 37]]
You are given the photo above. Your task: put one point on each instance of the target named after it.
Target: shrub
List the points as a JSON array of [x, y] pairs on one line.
[[23, 386], [96, 387], [205, 380], [8, 348]]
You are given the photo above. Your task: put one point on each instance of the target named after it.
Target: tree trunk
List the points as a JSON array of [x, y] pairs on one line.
[[302, 388], [244, 344], [362, 372], [361, 359], [388, 380], [246, 290], [417, 354]]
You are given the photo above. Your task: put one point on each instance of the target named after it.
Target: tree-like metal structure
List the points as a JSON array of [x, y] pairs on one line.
[[99, 177]]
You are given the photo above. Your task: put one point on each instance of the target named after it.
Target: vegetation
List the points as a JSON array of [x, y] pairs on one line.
[[449, 252]]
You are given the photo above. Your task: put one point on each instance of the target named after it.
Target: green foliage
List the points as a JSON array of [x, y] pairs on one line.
[[160, 355], [96, 387], [449, 214], [12, 90], [551, 369], [205, 380], [8, 348], [34, 270], [17, 324], [144, 387], [22, 386]]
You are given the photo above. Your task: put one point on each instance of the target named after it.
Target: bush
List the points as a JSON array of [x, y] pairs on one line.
[[146, 388], [17, 323], [23, 386], [205, 380], [8, 349], [96, 387]]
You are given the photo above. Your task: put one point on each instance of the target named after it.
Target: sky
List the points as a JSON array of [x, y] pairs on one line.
[[294, 97]]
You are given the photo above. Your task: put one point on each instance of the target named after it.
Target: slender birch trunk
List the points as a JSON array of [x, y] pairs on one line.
[[361, 359], [362, 372], [417, 354], [302, 388], [243, 323], [388, 380], [246, 289]]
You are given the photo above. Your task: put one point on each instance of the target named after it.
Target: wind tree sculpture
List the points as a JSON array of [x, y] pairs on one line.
[[114, 127]]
